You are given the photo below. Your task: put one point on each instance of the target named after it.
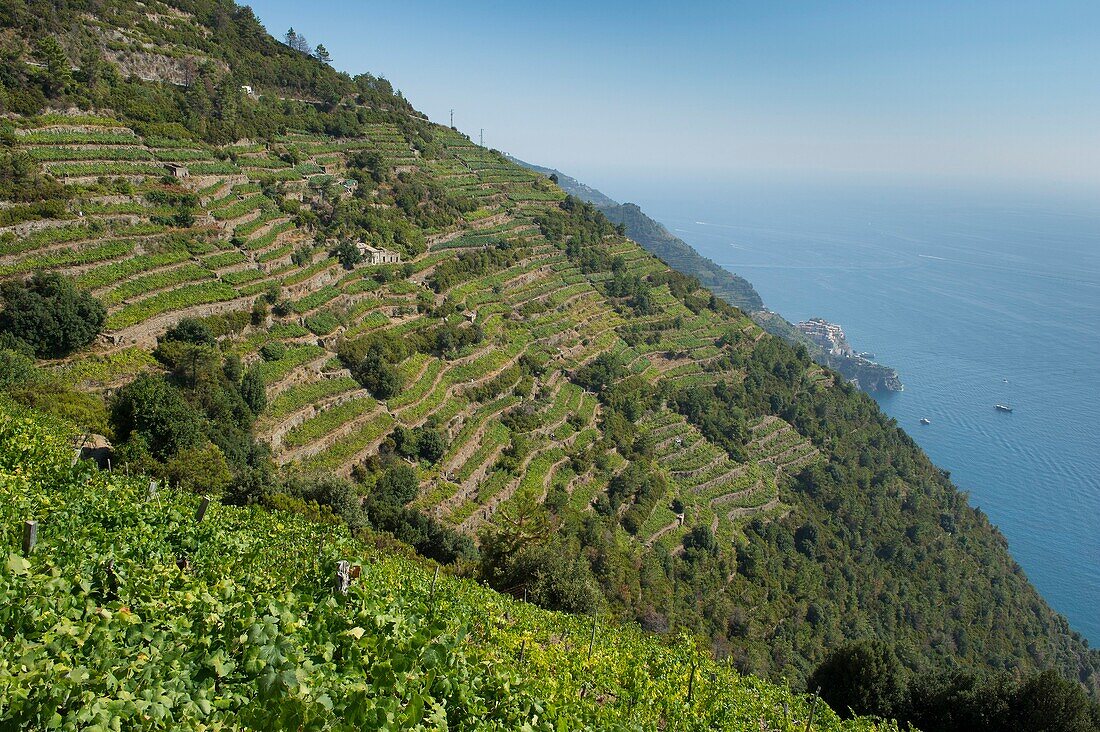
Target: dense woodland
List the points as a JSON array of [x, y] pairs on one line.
[[858, 539]]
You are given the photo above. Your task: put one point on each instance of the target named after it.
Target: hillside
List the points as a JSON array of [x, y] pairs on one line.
[[527, 394], [734, 289], [657, 240], [233, 621]]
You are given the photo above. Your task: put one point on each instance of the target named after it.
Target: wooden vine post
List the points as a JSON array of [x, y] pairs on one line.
[[592, 640], [201, 511], [813, 705], [691, 682], [30, 536], [431, 599]]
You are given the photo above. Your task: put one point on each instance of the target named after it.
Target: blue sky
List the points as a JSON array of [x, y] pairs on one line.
[[986, 90]]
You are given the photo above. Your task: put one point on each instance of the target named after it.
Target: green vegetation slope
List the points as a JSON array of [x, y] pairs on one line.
[[527, 395], [731, 287], [131, 614]]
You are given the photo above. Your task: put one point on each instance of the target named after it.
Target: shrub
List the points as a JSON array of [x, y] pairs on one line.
[[252, 390], [273, 351], [151, 408], [860, 678], [377, 375], [397, 485], [190, 330], [50, 314]]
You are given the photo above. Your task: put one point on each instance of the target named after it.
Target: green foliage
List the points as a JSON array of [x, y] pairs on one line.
[[958, 701], [50, 314], [151, 410], [772, 585], [603, 371], [397, 485], [190, 330], [273, 351], [234, 623], [21, 181], [373, 363], [468, 265], [420, 443], [862, 678], [253, 391], [347, 253]]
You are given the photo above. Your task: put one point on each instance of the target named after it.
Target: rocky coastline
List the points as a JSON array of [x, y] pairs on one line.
[[859, 368]]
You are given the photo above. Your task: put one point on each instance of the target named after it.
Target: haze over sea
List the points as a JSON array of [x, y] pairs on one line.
[[959, 291]]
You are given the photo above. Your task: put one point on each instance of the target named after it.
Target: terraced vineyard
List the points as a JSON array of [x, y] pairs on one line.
[[164, 612], [526, 394], [240, 246]]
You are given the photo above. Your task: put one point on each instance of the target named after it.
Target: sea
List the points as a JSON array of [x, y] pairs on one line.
[[977, 297]]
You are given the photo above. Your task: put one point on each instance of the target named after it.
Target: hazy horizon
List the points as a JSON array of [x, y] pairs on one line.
[[1000, 92]]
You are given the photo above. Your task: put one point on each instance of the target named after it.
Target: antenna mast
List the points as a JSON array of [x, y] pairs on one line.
[[483, 137], [452, 118]]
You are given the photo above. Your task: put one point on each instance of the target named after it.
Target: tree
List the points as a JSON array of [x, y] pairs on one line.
[[253, 391], [322, 54], [150, 407], [860, 678], [297, 41], [1046, 701], [377, 375], [430, 445], [48, 51], [190, 330], [200, 469], [348, 254], [50, 314], [397, 485]]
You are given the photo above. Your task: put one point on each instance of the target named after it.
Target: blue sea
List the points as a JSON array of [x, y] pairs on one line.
[[977, 298]]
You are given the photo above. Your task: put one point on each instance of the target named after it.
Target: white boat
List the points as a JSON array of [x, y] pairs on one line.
[[1002, 407], [925, 420]]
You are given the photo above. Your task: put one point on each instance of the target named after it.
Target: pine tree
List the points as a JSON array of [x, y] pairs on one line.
[[58, 74], [297, 41], [322, 54]]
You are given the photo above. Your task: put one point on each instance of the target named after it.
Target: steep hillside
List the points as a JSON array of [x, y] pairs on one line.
[[657, 240], [232, 620], [610, 433], [733, 288]]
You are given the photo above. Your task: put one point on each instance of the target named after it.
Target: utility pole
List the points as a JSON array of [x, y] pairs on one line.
[[452, 118], [483, 137]]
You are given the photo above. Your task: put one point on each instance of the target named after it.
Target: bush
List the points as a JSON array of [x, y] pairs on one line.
[[152, 408], [860, 678], [50, 314], [377, 375], [273, 351], [190, 330], [397, 485], [252, 390]]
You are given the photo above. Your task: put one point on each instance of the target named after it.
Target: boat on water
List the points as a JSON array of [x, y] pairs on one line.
[[1002, 407], [925, 420]]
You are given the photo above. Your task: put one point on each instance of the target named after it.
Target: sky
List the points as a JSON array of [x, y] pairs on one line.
[[983, 90]]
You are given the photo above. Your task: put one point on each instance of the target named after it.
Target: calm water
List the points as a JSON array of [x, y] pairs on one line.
[[958, 292]]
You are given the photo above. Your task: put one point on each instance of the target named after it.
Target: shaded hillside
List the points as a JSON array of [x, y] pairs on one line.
[[527, 394]]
